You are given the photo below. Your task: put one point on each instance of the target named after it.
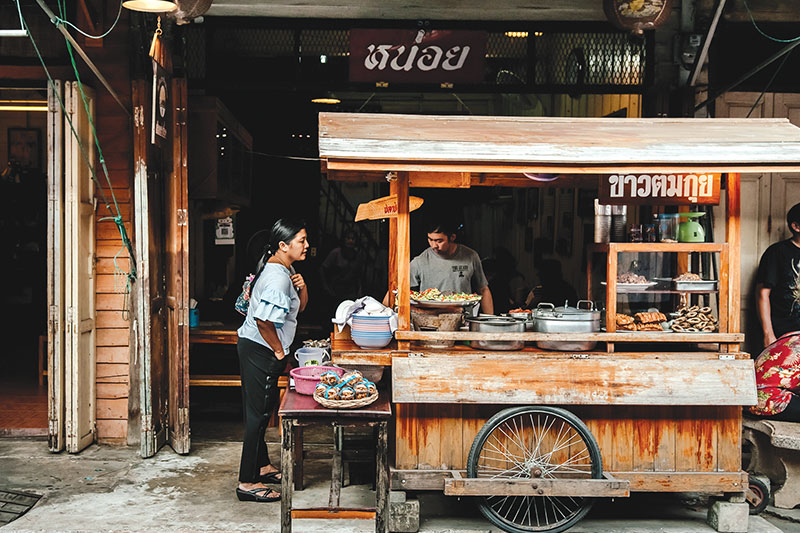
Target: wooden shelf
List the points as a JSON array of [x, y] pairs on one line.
[[659, 247], [665, 291], [226, 380], [638, 336]]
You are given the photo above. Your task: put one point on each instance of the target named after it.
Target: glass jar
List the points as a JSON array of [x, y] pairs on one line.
[[635, 233]]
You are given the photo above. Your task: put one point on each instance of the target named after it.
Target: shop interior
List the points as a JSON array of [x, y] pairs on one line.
[[23, 246]]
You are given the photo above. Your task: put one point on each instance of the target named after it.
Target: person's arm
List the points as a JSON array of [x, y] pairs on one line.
[[487, 304], [270, 334], [300, 283], [765, 313]]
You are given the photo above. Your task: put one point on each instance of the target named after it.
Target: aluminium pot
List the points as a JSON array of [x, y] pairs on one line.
[[550, 319], [496, 324]]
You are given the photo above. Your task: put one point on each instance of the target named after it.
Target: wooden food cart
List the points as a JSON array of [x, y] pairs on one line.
[[563, 427]]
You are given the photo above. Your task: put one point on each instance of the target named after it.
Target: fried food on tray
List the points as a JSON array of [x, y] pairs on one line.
[[650, 317], [688, 276], [652, 326], [630, 277], [627, 327], [623, 319]]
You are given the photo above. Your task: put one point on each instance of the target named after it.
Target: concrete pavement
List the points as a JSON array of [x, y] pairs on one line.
[[107, 488]]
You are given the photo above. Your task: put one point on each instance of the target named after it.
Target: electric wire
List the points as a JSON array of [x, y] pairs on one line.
[[60, 20], [766, 87], [130, 276], [753, 20]]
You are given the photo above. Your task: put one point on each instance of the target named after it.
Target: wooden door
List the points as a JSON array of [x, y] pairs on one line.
[[151, 354], [755, 210], [177, 268], [79, 271], [785, 185], [55, 268]]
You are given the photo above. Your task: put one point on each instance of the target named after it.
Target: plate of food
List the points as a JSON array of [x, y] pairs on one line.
[[633, 287], [689, 281], [644, 321], [435, 298]]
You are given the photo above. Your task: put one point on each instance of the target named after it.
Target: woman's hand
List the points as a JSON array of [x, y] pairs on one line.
[[298, 282]]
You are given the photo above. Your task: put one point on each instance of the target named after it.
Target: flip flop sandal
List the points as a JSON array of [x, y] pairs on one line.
[[272, 477], [254, 496]]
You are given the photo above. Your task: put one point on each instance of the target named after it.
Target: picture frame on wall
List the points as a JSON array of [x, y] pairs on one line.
[[25, 147]]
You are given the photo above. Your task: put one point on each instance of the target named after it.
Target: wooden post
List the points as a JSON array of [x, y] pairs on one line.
[[403, 259], [287, 473], [382, 480], [734, 237], [392, 249], [611, 292]]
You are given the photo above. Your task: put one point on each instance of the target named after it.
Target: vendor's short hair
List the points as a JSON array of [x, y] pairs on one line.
[[793, 216], [442, 226]]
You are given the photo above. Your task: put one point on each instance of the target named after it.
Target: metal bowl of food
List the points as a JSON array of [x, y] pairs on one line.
[[496, 324]]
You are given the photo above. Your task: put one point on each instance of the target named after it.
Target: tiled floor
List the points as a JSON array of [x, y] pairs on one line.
[[23, 408]]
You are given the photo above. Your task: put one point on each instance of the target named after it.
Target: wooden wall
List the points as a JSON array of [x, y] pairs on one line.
[[114, 131]]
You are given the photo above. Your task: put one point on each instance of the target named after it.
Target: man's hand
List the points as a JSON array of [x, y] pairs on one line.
[[298, 282]]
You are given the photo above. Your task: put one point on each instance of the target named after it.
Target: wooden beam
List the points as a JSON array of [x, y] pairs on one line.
[[623, 336], [659, 481], [608, 381], [601, 488]]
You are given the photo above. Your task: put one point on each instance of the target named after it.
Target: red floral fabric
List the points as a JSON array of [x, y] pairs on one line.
[[777, 375]]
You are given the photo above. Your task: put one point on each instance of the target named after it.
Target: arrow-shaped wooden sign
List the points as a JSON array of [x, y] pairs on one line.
[[385, 207]]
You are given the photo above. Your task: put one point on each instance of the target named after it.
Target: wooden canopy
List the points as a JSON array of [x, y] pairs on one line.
[[372, 144]]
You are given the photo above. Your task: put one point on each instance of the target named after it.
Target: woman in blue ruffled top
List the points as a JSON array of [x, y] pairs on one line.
[[277, 294]]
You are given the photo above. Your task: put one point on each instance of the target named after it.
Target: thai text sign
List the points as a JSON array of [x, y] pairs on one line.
[[417, 56], [659, 189]]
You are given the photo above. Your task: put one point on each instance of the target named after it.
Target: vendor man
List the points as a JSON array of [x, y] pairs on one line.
[[450, 267], [778, 284]]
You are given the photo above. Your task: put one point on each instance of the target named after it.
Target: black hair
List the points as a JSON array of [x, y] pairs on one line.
[[442, 226], [793, 216], [284, 230]]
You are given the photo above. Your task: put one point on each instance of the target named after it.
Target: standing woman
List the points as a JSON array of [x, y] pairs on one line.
[[277, 295]]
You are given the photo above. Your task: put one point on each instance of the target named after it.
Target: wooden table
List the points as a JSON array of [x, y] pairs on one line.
[[298, 411]]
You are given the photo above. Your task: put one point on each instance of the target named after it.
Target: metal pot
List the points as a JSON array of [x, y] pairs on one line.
[[496, 324], [550, 319]]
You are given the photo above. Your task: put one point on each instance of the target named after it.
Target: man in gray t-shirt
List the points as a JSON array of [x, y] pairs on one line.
[[450, 267]]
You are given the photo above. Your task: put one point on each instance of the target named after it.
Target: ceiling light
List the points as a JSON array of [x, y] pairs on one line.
[[326, 101], [516, 34], [150, 6], [23, 105]]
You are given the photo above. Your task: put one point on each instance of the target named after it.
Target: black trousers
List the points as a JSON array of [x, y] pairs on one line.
[[260, 370]]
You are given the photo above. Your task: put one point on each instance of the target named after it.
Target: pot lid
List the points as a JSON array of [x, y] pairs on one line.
[[494, 320], [565, 312]]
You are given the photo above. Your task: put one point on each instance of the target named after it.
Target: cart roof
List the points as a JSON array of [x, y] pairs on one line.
[[376, 143]]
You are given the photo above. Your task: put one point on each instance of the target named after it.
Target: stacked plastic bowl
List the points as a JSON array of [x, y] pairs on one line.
[[371, 331]]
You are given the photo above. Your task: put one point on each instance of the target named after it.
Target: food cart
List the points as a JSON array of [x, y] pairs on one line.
[[538, 434]]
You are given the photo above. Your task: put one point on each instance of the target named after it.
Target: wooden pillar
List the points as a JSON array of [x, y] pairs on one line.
[[392, 249], [403, 257], [287, 473], [734, 237]]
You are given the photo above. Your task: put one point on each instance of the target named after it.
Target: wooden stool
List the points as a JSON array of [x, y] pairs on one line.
[[298, 411]]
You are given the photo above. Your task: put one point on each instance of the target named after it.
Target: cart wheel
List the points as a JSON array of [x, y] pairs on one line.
[[530, 442], [757, 495]]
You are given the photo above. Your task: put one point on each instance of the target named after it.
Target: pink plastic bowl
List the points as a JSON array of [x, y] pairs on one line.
[[307, 377]]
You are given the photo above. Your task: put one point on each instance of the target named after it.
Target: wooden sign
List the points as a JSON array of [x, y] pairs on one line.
[[659, 189], [385, 207], [417, 56], [637, 15]]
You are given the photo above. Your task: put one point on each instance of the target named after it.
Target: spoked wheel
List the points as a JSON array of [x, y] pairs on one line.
[[531, 442]]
